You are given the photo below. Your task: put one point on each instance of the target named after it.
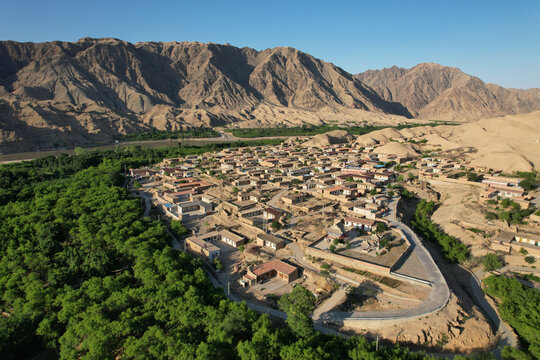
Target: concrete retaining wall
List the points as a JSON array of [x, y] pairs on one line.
[[349, 262]]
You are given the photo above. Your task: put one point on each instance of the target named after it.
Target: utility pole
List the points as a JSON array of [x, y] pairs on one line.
[[228, 288], [377, 344]]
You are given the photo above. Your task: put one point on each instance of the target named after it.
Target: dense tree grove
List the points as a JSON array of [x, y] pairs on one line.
[[306, 130], [84, 275], [16, 179], [201, 132], [452, 249], [520, 307]]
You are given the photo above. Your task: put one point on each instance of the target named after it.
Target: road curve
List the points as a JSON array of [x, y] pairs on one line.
[[437, 299]]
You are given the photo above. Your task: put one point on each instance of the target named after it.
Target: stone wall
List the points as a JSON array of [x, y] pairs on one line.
[[348, 261]]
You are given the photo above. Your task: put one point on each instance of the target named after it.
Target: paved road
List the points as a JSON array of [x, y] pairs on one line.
[[437, 299], [505, 332], [323, 313], [274, 201], [337, 298], [147, 202]]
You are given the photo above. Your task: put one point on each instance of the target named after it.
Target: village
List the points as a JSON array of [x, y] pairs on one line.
[[266, 219]]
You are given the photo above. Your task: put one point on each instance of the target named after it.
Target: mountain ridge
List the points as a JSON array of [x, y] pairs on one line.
[[434, 91], [94, 89]]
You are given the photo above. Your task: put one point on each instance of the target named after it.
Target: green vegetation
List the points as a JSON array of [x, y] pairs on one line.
[[514, 213], [452, 249], [518, 305], [306, 130], [456, 175], [381, 227], [379, 278], [530, 259], [530, 180], [178, 228], [471, 176], [528, 277], [491, 262], [84, 275], [218, 265], [357, 295], [412, 141], [528, 184], [276, 225], [200, 132], [299, 306]]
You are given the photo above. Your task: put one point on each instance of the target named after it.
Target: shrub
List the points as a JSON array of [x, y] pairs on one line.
[[491, 262], [452, 249]]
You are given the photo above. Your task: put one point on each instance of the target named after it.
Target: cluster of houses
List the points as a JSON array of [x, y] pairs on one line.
[[508, 241], [346, 178], [495, 185], [505, 187]]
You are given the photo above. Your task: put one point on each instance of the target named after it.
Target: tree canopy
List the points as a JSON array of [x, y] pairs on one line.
[[84, 275]]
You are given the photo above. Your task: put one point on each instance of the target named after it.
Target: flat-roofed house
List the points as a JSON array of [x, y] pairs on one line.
[[202, 247], [270, 241], [509, 192], [271, 269], [272, 214], [293, 199], [365, 212], [336, 231], [231, 238], [359, 223]]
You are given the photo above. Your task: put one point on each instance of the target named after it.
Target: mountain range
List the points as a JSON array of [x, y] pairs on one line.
[[73, 93]]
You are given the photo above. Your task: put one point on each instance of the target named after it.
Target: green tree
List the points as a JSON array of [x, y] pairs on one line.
[[491, 262], [178, 228], [299, 305], [471, 176], [217, 264], [528, 184], [381, 227], [276, 225], [264, 344], [79, 150]]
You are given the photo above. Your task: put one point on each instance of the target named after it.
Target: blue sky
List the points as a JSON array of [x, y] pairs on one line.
[[498, 41]]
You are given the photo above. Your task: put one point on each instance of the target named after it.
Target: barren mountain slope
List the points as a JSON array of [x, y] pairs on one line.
[[435, 92], [95, 88]]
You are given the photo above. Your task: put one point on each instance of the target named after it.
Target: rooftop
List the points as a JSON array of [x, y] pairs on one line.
[[274, 264]]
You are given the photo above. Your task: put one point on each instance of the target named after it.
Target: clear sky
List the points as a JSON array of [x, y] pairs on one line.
[[498, 41]]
